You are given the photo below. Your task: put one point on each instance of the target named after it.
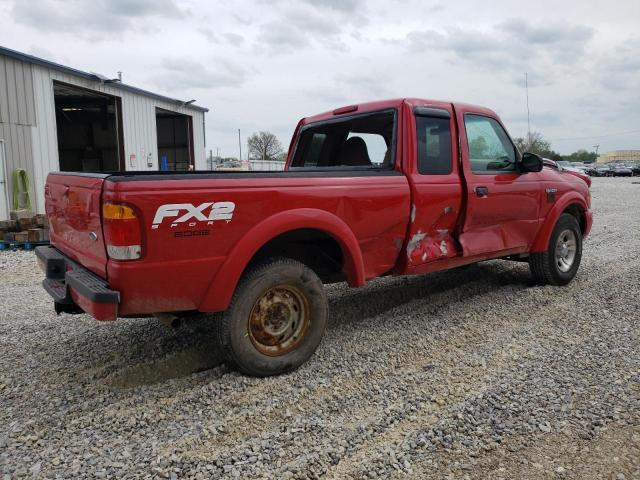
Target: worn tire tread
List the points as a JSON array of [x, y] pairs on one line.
[[540, 268]]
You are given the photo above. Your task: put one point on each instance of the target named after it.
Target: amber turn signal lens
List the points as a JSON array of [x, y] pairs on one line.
[[112, 211]]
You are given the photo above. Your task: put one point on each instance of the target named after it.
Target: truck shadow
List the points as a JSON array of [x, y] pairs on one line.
[[162, 353], [385, 294]]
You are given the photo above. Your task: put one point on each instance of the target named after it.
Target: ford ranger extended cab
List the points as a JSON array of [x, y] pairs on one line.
[[397, 187]]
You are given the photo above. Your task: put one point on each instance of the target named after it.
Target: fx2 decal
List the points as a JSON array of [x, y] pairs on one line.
[[207, 212]]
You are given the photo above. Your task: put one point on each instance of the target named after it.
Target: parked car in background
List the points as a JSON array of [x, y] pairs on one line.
[[621, 170], [635, 168], [590, 169], [603, 171], [570, 166], [579, 166]]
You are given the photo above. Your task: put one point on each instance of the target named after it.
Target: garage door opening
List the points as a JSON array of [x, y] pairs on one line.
[[175, 141], [87, 123]]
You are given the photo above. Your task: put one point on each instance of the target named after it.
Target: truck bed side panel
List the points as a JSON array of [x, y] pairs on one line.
[[181, 258]]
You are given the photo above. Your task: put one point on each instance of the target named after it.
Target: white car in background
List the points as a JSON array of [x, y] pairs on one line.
[[570, 166]]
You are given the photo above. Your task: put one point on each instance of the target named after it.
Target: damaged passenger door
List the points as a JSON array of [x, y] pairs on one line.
[[435, 185], [502, 212]]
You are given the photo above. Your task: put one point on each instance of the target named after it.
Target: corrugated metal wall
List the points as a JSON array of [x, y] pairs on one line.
[[28, 122], [138, 125], [17, 117]]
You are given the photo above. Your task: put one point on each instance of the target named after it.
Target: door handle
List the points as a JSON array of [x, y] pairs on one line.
[[482, 191]]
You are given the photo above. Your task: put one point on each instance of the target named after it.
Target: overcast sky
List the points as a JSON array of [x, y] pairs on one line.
[[263, 65]]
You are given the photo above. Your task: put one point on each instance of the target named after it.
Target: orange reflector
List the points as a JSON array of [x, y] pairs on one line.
[[112, 211]]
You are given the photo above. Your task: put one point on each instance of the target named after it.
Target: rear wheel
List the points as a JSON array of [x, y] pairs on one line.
[[560, 262], [276, 319]]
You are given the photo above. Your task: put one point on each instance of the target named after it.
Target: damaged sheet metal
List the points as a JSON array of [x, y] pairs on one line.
[[424, 248], [414, 243]]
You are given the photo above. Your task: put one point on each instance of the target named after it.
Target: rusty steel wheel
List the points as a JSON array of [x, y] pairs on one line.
[[276, 319], [279, 320]]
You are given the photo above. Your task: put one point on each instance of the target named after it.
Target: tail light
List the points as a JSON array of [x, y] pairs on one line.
[[122, 232]]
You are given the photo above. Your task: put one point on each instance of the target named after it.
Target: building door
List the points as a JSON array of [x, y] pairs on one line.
[[175, 141], [87, 125], [4, 189]]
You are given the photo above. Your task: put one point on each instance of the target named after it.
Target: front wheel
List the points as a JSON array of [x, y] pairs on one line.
[[560, 262], [276, 319]]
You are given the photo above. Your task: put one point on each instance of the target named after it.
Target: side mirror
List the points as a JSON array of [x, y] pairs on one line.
[[531, 162]]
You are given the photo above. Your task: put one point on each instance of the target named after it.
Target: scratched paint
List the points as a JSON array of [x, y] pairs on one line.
[[414, 243], [424, 247]]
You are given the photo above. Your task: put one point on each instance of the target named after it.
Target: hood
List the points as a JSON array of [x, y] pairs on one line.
[[579, 174]]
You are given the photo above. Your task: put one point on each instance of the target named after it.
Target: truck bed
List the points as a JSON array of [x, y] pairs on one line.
[[370, 207]]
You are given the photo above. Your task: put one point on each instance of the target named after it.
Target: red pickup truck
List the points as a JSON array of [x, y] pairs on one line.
[[398, 187]]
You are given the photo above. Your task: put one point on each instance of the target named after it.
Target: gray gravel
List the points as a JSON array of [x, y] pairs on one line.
[[471, 373]]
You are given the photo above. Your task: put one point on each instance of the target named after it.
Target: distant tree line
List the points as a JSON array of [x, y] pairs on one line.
[[536, 143]]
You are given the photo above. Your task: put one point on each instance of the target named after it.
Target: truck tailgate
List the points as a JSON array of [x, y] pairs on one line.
[[73, 204]]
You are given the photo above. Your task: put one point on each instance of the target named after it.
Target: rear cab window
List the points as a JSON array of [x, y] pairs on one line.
[[361, 142]]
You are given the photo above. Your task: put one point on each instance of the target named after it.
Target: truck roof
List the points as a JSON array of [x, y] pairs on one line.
[[392, 103]]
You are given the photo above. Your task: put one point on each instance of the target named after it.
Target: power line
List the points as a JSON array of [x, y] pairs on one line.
[[628, 132]]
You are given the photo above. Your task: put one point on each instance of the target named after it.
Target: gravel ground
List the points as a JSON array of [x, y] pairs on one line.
[[471, 373]]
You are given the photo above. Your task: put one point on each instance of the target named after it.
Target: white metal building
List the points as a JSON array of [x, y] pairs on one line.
[[57, 118]]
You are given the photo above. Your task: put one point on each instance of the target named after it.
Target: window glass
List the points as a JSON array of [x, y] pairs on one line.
[[434, 145], [376, 146], [315, 149], [358, 141], [489, 146]]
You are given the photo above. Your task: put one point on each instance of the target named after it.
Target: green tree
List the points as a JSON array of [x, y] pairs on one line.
[[533, 143], [582, 156], [536, 143]]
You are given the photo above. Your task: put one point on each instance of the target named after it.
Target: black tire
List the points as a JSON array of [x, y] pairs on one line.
[[276, 299], [545, 267]]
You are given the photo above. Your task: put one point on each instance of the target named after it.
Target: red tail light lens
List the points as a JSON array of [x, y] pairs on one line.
[[122, 232]]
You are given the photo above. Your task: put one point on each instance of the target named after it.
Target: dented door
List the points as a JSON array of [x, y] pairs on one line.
[[435, 185], [502, 204]]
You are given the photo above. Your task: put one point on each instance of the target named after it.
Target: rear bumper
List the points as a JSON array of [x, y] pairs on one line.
[[74, 288]]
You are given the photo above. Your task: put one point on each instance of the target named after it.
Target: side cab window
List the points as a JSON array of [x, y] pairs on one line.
[[490, 149], [433, 132]]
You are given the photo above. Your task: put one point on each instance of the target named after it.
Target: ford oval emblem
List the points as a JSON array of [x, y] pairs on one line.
[[93, 236]]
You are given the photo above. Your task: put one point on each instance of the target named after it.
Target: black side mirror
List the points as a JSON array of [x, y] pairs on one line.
[[531, 162]]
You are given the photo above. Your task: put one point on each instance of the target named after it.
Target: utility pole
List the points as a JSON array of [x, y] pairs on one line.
[[597, 147], [239, 145], [526, 86]]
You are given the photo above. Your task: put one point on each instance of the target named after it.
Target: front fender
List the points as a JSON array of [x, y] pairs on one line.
[[224, 284], [541, 242]]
